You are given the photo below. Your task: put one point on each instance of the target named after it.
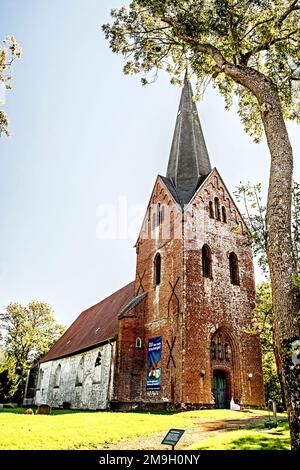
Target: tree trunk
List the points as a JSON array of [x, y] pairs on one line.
[[280, 257], [279, 239], [279, 373]]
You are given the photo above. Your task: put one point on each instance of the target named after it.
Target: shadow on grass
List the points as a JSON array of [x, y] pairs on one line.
[[259, 443], [253, 438]]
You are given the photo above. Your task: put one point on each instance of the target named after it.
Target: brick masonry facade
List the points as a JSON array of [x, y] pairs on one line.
[[189, 311]]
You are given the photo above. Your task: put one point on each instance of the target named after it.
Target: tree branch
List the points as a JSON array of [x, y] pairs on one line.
[[292, 7], [240, 74], [256, 25], [265, 46], [206, 48]]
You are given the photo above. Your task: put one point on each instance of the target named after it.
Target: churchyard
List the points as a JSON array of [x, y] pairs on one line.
[[92, 430]]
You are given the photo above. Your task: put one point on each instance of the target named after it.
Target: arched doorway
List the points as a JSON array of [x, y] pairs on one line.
[[224, 368]]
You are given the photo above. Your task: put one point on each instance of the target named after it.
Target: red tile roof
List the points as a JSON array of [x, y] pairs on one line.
[[93, 326]]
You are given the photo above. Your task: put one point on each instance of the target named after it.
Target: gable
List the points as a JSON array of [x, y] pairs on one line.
[[163, 192], [214, 186]]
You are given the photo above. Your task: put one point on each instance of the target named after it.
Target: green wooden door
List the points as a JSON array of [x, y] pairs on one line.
[[220, 389]]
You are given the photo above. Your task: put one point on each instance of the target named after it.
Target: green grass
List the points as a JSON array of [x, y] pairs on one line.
[[79, 430], [70, 429], [258, 438]]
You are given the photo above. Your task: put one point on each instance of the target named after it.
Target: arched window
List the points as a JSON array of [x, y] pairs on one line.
[[98, 359], [222, 347], [79, 375], [97, 369], [40, 379], [224, 216], [234, 269], [211, 210], [57, 376], [157, 269], [217, 209], [138, 342], [158, 215], [206, 261]]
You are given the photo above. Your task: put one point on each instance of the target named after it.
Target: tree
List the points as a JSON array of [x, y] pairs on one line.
[[8, 378], [248, 49], [9, 52], [29, 333], [263, 325], [254, 212]]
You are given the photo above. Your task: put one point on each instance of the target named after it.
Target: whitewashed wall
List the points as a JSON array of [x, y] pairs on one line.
[[95, 391]]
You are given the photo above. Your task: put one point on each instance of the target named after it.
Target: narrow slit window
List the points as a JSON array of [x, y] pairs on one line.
[[234, 269], [224, 216], [158, 215], [206, 261], [157, 269], [217, 209], [211, 210]]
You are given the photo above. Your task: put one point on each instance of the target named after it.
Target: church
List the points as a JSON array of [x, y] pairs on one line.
[[177, 337]]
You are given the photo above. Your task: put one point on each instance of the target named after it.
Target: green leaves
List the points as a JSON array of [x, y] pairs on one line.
[[29, 332], [254, 212], [263, 326], [166, 34]]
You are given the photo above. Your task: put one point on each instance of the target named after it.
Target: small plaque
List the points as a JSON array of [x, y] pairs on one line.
[[173, 437]]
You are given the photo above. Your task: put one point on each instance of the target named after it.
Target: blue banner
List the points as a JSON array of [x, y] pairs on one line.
[[153, 380]]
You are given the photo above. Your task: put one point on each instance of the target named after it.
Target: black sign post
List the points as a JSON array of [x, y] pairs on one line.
[[173, 437]]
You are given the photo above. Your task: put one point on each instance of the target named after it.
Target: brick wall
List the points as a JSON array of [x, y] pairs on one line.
[[187, 309]]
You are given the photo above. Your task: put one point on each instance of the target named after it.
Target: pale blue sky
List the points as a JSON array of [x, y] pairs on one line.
[[83, 134]]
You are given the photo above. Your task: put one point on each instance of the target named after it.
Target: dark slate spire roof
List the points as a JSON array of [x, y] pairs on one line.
[[189, 162]]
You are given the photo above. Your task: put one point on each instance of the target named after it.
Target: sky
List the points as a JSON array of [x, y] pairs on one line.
[[84, 137]]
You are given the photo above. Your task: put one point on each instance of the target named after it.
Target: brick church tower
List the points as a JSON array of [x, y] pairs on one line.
[[182, 340]]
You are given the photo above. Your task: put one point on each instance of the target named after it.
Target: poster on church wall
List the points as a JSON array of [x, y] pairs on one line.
[[153, 380]]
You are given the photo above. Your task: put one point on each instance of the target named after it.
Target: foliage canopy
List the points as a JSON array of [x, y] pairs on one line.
[[203, 34], [29, 332]]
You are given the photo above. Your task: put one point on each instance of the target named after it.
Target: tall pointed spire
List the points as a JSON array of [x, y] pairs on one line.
[[189, 161]]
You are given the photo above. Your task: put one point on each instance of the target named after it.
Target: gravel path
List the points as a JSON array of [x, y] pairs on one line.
[[200, 430]]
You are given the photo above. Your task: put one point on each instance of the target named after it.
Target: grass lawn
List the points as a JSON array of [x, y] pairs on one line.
[[258, 438], [91, 430]]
